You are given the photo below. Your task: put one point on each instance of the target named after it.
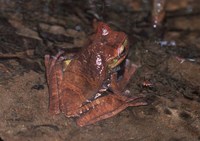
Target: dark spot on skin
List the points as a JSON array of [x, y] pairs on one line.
[[167, 111], [38, 87], [185, 116]]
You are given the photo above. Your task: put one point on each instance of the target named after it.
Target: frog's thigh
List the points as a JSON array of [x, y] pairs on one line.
[[54, 86], [108, 106]]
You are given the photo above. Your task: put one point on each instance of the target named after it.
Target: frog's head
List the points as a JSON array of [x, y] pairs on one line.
[[114, 45], [119, 51]]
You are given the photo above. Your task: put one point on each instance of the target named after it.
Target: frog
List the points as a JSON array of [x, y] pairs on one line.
[[87, 87]]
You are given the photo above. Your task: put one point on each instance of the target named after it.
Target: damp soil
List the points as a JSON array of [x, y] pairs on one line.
[[168, 76]]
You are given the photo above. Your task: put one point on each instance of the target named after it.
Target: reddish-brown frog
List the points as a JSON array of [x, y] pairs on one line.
[[87, 87]]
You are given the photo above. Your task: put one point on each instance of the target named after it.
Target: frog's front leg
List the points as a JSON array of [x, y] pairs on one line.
[[54, 77], [118, 86]]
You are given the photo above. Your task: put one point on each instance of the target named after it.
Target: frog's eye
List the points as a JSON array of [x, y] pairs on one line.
[[121, 49], [125, 43]]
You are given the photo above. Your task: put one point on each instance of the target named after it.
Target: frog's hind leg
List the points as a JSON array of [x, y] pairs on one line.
[[106, 107], [54, 89], [50, 62], [54, 77]]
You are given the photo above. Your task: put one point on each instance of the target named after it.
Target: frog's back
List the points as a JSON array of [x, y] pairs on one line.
[[82, 79]]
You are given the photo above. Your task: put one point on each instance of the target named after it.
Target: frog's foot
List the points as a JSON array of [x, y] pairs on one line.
[[106, 107], [54, 77], [118, 85]]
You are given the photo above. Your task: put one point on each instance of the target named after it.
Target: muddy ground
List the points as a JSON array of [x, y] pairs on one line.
[[171, 64]]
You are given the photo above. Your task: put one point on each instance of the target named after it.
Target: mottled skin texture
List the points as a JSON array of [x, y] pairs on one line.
[[70, 86]]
